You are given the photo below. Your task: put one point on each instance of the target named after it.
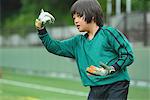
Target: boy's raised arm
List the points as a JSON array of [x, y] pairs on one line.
[[61, 48]]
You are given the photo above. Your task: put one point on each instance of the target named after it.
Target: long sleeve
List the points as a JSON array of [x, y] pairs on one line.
[[122, 47], [62, 48]]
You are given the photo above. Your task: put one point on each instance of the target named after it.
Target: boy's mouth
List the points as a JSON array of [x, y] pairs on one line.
[[78, 26]]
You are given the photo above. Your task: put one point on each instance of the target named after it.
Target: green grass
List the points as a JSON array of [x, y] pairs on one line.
[[139, 93], [16, 93], [11, 92]]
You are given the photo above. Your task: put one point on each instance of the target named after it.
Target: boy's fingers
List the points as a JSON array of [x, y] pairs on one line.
[[105, 66], [38, 24]]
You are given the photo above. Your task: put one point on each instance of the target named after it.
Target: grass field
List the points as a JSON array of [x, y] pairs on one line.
[[26, 87]]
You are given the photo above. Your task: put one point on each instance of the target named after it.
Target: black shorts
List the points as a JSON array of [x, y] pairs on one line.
[[115, 91]]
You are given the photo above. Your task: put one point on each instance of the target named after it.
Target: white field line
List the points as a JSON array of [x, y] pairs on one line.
[[43, 88]]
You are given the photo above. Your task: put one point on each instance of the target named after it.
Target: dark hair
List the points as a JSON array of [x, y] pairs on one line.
[[89, 9]]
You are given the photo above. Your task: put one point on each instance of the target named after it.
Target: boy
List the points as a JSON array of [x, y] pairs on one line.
[[102, 54]]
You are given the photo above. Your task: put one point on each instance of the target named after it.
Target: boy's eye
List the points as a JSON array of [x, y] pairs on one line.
[[76, 16], [73, 17]]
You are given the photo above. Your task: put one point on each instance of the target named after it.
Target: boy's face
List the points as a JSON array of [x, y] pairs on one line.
[[80, 23]]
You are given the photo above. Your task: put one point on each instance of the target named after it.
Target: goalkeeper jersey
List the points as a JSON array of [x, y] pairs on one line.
[[108, 46]]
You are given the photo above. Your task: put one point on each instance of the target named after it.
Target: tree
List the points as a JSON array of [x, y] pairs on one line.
[[18, 16]]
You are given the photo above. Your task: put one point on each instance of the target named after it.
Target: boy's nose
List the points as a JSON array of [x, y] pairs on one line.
[[75, 21]]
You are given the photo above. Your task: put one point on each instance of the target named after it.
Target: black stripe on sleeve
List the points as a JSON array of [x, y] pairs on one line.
[[125, 47], [116, 64], [114, 36]]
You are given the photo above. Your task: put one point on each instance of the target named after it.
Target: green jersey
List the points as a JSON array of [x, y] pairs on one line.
[[108, 46]]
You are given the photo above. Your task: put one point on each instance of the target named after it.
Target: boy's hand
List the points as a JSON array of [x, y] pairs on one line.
[[102, 71], [43, 18], [38, 24]]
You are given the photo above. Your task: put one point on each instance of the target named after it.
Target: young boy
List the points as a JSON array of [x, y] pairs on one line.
[[102, 54]]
